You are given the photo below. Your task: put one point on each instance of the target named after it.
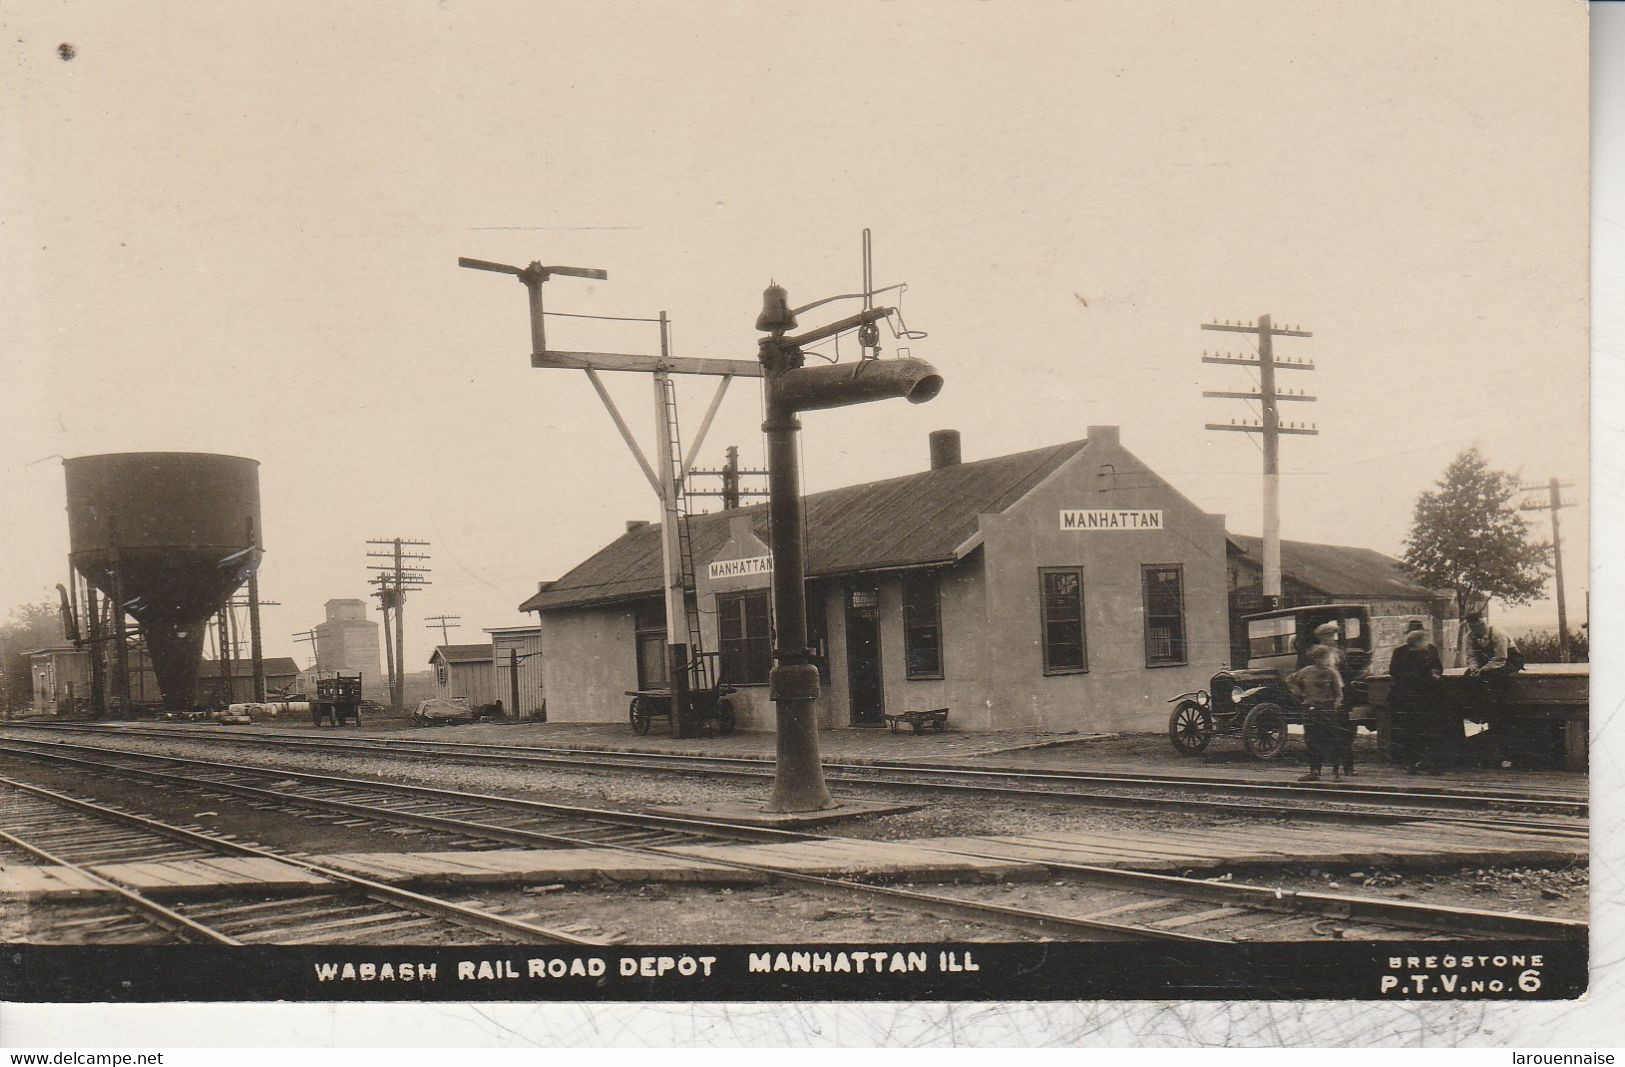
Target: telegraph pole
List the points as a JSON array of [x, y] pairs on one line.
[[309, 637], [1269, 426], [443, 623], [396, 578], [1555, 503], [732, 492]]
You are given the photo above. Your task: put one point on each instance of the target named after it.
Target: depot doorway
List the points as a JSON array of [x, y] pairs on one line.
[[865, 690]]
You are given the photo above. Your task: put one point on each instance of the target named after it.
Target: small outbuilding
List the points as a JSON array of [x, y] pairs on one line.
[[463, 671]]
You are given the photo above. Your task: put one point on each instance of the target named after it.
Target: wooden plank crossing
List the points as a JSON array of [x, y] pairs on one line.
[[872, 859], [1212, 848], [524, 866]]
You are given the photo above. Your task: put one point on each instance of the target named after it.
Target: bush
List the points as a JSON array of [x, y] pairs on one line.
[[1541, 647]]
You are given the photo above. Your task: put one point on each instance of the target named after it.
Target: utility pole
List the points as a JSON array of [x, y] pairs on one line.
[[443, 623], [309, 637], [732, 492], [256, 650], [1270, 426], [1555, 503], [397, 577]]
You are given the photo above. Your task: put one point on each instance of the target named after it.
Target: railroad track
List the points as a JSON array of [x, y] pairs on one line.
[[1157, 906], [92, 841], [1326, 802]]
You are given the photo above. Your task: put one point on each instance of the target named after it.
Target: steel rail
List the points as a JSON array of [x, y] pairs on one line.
[[615, 758], [174, 921], [486, 922], [1029, 920], [866, 775], [1394, 913]]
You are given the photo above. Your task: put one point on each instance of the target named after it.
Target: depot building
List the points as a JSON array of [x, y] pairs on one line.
[[1065, 588]]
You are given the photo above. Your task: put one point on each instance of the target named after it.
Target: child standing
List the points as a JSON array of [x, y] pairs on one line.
[[1319, 688]]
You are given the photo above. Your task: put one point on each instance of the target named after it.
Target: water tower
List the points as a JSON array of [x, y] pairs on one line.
[[172, 534]]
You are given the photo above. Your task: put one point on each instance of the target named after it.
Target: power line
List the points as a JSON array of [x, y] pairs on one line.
[[1269, 425]]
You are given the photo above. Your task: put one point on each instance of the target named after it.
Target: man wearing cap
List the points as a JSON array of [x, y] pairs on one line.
[[1493, 659], [1341, 728], [1419, 726]]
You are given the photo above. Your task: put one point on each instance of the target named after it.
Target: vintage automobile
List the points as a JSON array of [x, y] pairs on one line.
[[1253, 701]]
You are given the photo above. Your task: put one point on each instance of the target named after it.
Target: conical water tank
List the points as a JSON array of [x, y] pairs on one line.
[[178, 525]]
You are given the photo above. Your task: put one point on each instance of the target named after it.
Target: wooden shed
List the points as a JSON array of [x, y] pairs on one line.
[[463, 671]]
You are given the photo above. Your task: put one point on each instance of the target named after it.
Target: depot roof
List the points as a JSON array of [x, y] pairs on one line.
[[911, 521]]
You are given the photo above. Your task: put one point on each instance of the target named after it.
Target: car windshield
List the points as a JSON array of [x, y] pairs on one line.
[[1270, 637]]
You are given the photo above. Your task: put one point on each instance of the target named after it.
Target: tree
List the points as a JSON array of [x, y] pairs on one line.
[[1467, 535]]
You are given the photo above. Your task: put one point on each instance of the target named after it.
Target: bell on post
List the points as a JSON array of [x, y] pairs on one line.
[[776, 316]]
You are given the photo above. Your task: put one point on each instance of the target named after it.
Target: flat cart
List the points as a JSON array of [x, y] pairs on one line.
[[709, 705]]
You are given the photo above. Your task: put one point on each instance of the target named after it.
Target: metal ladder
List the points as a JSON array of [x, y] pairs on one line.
[[698, 664]]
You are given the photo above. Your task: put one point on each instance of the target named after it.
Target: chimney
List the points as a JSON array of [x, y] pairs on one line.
[[944, 449], [636, 524]]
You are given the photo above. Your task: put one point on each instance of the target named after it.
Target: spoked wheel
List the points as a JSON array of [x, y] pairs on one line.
[[725, 716], [1263, 731], [640, 716], [1190, 728]]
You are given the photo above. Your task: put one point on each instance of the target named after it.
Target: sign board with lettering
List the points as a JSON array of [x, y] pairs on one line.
[[1110, 519], [739, 568]]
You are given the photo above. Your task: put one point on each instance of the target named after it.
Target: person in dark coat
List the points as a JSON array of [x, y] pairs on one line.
[[1419, 723]]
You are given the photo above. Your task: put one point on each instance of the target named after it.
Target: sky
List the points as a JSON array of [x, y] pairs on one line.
[[234, 228]]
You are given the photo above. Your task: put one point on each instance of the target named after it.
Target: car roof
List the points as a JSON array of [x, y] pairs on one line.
[[1309, 609]]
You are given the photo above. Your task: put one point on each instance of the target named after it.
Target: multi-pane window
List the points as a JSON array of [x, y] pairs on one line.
[[745, 625], [1064, 649], [922, 625], [1164, 586], [649, 626]]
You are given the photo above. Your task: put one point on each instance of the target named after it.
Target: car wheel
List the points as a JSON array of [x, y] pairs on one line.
[[1263, 731], [725, 717], [1190, 728], [640, 717]]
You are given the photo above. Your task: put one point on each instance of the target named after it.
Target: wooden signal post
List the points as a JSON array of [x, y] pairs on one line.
[[791, 388]]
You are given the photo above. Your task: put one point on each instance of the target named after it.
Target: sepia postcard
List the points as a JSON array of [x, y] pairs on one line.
[[849, 502]]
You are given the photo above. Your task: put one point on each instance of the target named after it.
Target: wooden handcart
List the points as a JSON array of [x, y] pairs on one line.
[[710, 706]]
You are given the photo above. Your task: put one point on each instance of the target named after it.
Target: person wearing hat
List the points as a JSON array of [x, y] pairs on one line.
[[1418, 731], [1340, 730]]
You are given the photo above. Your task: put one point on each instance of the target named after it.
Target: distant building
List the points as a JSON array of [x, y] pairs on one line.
[[464, 671], [280, 673], [348, 641], [60, 678], [516, 652], [1338, 574]]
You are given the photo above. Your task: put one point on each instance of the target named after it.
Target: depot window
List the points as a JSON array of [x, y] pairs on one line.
[[1164, 590], [1062, 614], [922, 626], [649, 628], [744, 623]]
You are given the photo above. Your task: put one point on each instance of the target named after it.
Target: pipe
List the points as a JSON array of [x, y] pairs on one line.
[[837, 385]]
